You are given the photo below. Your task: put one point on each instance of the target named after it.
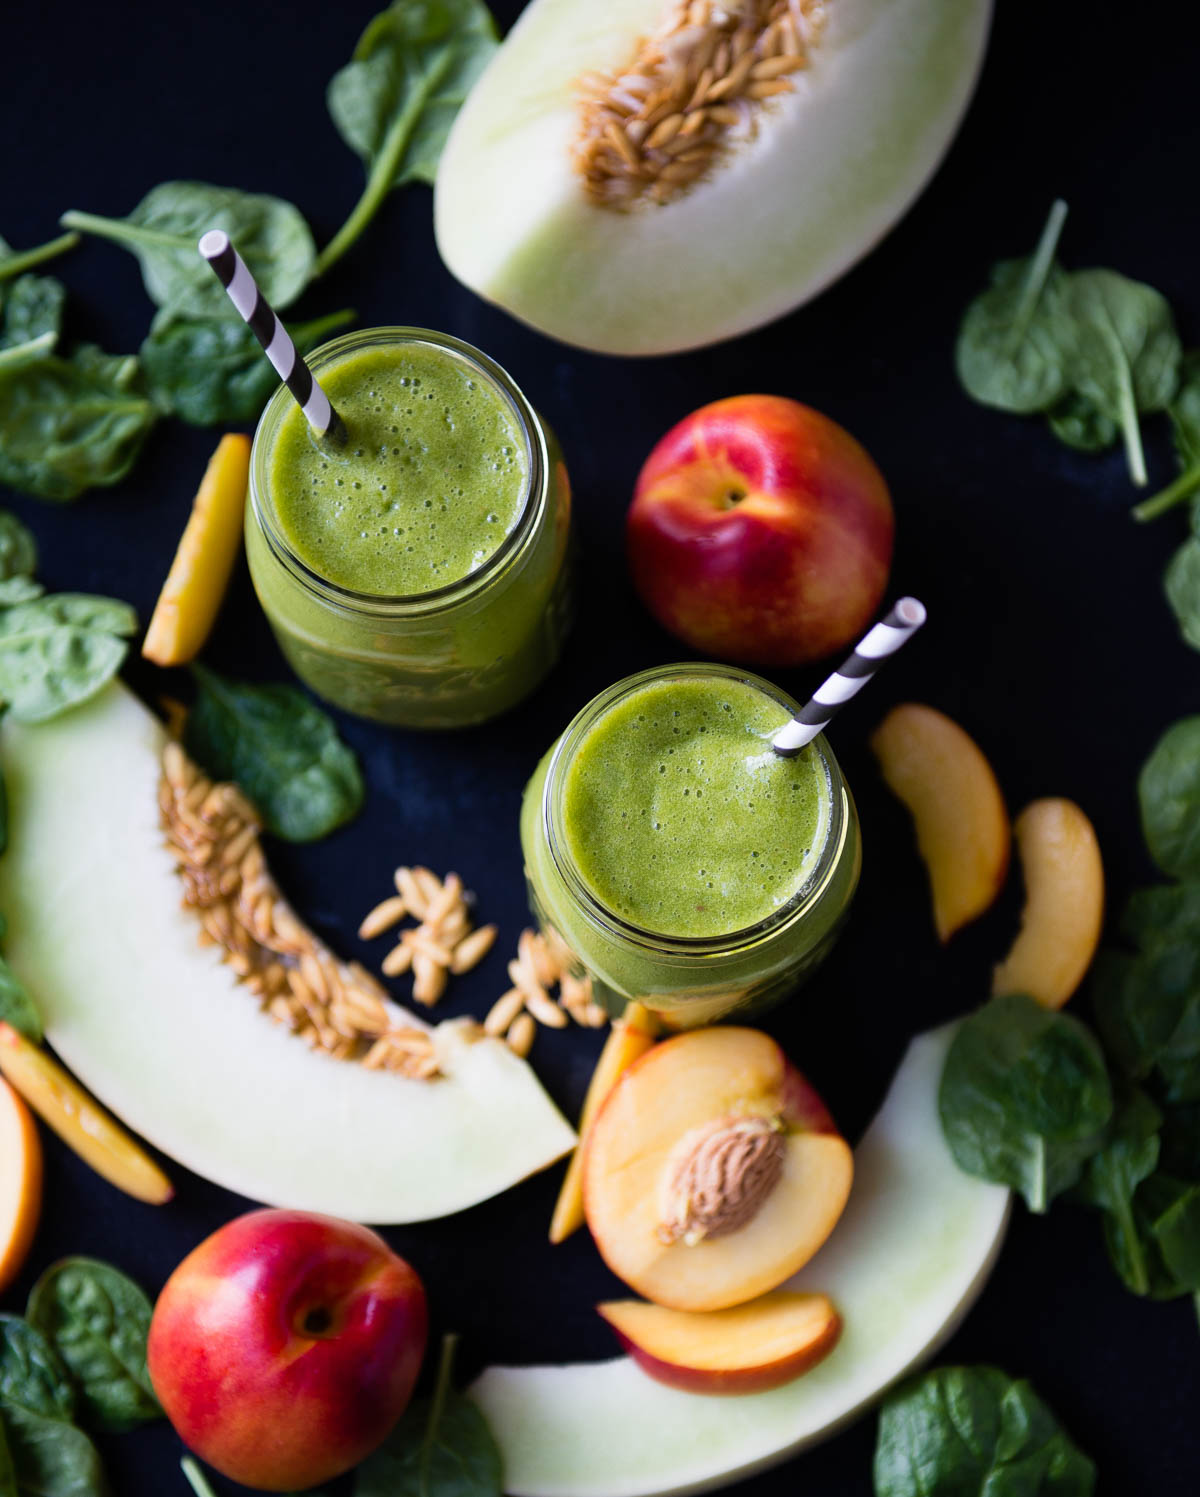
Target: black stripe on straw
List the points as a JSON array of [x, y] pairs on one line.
[[224, 264]]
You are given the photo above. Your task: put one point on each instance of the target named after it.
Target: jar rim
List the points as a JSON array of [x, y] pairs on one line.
[[451, 594], [699, 948]]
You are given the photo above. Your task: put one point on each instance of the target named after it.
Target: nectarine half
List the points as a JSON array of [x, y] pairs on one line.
[[20, 1183], [713, 1171]]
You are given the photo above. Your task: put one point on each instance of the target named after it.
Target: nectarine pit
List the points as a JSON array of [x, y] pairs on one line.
[[718, 1176]]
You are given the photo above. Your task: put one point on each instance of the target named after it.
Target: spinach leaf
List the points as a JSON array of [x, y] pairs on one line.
[[52, 1459], [32, 1376], [1024, 1097], [165, 227], [1128, 1156], [442, 1447], [67, 425], [18, 549], [1169, 793], [1181, 583], [19, 590], [16, 1006], [395, 101], [32, 307], [1127, 352], [1148, 1012], [60, 650], [212, 370], [14, 263], [1015, 343], [964, 1431], [1184, 411], [281, 750], [98, 1320], [1077, 423], [8, 1472], [1172, 1209]]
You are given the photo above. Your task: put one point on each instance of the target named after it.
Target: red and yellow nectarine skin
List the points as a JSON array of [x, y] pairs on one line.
[[285, 1347], [761, 532]]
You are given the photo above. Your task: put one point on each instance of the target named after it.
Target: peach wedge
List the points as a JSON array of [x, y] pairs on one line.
[[713, 1171], [745, 1349], [20, 1183], [1064, 903], [963, 835]]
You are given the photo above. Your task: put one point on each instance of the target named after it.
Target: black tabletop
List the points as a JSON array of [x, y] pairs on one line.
[[1049, 637]]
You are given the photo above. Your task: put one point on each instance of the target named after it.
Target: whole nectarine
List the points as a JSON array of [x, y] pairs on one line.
[[286, 1345], [761, 532]]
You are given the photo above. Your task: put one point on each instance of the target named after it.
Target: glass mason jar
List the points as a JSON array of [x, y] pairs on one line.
[[688, 981], [447, 658]]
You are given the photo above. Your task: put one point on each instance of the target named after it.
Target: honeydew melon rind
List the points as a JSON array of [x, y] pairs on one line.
[[903, 1266], [155, 1025], [833, 167]]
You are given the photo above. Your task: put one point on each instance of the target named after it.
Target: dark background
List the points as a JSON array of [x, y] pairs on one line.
[[1049, 638]]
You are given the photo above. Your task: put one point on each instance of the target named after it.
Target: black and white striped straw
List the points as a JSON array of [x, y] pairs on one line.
[[263, 321], [884, 639]]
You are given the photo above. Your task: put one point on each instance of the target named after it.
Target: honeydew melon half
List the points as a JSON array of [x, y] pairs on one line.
[[833, 166], [155, 1025], [904, 1264]]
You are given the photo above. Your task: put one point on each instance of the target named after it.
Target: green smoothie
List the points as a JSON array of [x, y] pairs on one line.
[[682, 820], [432, 478], [417, 574], [678, 858]]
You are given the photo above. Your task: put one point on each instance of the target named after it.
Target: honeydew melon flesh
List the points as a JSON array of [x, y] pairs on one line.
[[904, 1264], [156, 1026], [833, 166]]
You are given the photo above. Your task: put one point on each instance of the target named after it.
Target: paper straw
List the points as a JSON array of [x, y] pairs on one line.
[[263, 321], [851, 676]]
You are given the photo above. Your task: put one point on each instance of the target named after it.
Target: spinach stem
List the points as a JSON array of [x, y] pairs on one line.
[[1130, 428], [1175, 493], [440, 1391], [121, 232], [382, 174], [319, 326], [1037, 1189], [196, 1478], [19, 353], [1039, 269], [13, 265], [1133, 1246]]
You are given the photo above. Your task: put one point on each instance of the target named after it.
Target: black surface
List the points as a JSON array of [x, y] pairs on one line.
[[1049, 638]]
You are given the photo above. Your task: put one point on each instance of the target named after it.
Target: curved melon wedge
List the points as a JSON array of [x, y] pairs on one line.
[[835, 165], [913, 1249], [157, 1028]]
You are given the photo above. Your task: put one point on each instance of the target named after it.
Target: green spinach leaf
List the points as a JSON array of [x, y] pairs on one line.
[[67, 425], [58, 651], [442, 1447], [1110, 1180], [1015, 344], [1127, 352], [966, 1431], [395, 101], [281, 750], [1181, 583], [165, 227], [1076, 422], [19, 590], [16, 1006], [212, 370], [52, 1459], [1169, 794], [32, 307], [8, 1472], [97, 1319], [1025, 1097], [33, 1377], [16, 262], [18, 549]]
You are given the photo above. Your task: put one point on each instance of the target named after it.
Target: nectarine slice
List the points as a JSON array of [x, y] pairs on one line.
[[713, 1171], [629, 1038], [745, 1349], [1064, 903], [941, 775], [20, 1183]]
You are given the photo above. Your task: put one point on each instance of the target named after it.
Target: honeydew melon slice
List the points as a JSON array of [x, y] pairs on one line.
[[157, 1028], [904, 1264], [834, 165]]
